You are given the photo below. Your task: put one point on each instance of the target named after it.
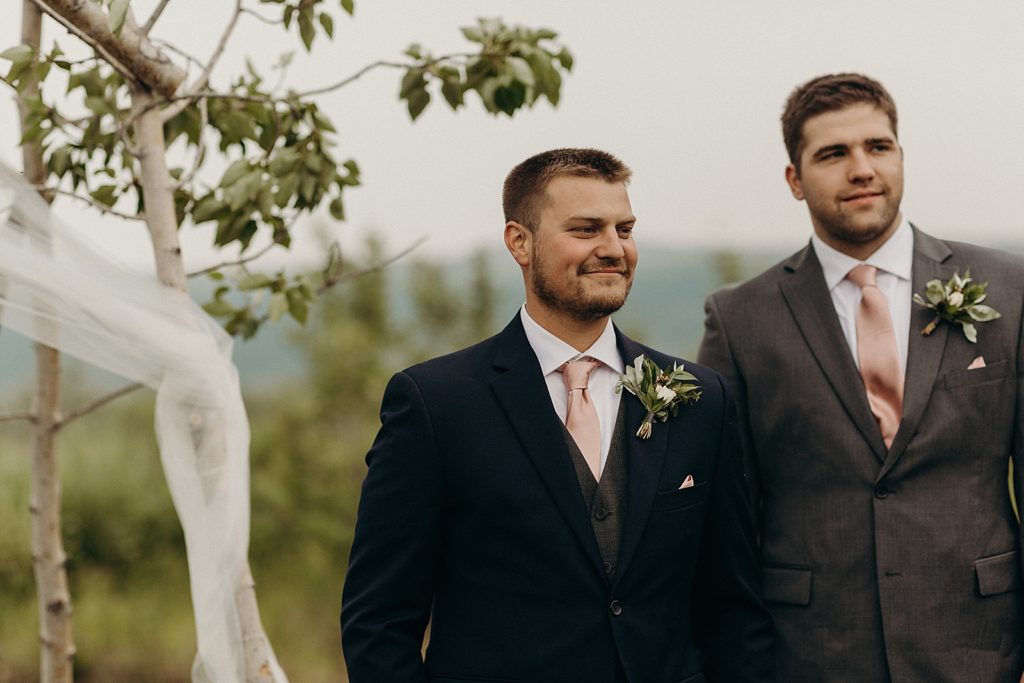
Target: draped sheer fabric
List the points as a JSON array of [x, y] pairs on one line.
[[58, 289]]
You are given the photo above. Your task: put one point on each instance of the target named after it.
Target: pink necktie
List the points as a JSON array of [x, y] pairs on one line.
[[581, 415], [877, 353]]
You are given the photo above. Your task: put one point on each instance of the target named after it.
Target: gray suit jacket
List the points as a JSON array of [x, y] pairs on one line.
[[900, 565]]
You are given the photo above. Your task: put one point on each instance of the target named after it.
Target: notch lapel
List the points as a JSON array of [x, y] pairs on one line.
[[523, 394], [924, 354], [811, 306], [644, 459]]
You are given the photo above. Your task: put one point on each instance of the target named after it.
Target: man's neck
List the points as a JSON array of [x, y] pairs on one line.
[[579, 334]]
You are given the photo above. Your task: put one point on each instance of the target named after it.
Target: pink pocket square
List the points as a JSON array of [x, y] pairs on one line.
[[978, 362], [687, 483]]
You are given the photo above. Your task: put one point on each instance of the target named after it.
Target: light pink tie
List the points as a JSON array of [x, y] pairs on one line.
[[878, 353], [580, 414]]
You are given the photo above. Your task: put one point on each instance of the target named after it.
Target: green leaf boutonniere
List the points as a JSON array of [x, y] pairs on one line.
[[957, 302], [660, 392]]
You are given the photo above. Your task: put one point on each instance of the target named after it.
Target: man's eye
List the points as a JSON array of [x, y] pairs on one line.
[[586, 229], [626, 230]]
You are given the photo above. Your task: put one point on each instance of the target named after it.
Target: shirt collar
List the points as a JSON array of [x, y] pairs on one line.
[[552, 352], [895, 256]]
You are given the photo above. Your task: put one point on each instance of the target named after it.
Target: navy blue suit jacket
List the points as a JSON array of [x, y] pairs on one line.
[[472, 518]]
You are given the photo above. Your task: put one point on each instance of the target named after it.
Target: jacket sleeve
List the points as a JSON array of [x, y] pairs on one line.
[[393, 565], [716, 352], [732, 625]]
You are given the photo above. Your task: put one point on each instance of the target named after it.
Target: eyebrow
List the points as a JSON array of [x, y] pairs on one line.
[[839, 147], [597, 219]]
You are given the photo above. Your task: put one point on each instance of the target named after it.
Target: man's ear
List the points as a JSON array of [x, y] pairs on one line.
[[518, 241], [793, 179]]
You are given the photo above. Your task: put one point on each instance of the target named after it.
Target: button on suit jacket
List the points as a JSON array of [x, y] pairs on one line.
[[472, 517], [881, 565]]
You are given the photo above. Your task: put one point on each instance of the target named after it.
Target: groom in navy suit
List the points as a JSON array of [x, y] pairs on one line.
[[514, 508]]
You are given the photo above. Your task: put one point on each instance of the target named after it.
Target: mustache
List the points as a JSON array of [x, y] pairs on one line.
[[604, 264]]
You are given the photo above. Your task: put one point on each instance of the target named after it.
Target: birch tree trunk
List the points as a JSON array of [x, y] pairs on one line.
[[57, 648], [158, 195]]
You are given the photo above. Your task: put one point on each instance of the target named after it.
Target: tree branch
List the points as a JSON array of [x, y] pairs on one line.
[[357, 75], [129, 51], [89, 200], [11, 417], [204, 77], [95, 405], [153, 17], [380, 265], [238, 262], [265, 20], [86, 38]]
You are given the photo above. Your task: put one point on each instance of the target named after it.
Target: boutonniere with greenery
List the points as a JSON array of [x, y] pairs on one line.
[[659, 392], [958, 302]]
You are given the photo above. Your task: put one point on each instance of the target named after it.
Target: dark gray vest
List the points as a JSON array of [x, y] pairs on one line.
[[606, 500]]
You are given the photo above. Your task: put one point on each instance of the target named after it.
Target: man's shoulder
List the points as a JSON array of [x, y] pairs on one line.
[[464, 361], [755, 290], [995, 262]]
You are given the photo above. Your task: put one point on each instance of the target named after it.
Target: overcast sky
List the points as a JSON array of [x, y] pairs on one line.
[[688, 93]]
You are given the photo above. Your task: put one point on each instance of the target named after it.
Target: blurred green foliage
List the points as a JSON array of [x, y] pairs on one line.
[[132, 613]]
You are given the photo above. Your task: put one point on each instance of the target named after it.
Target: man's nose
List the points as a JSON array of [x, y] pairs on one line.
[[861, 167], [610, 244]]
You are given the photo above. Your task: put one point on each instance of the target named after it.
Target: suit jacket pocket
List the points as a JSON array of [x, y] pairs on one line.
[[680, 499], [963, 378], [998, 573], [786, 585]]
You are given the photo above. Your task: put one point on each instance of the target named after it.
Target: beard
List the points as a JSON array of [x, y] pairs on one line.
[[574, 299], [849, 228]]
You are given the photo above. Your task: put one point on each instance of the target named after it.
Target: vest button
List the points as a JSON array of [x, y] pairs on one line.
[[600, 514], [881, 491], [609, 568], [615, 607]]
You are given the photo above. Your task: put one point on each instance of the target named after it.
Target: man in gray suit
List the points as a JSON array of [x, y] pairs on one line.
[[878, 456]]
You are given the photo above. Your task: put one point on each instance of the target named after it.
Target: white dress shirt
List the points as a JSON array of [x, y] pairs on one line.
[[552, 353], [894, 261]]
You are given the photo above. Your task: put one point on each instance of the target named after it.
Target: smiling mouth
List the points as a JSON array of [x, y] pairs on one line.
[[862, 196]]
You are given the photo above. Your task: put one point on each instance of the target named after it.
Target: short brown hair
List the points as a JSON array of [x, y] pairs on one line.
[[525, 184], [831, 92]]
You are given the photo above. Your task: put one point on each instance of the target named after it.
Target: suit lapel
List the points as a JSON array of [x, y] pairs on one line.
[[644, 458], [523, 394], [924, 354], [811, 305]]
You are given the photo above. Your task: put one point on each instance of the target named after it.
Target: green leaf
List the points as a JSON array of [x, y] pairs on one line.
[[297, 306], [306, 30], [452, 91], [337, 209], [277, 307], [935, 291], [473, 33], [235, 172], [520, 70], [105, 195], [215, 275], [118, 12], [207, 208], [412, 81], [970, 332], [19, 54], [328, 23], [348, 6], [983, 313], [219, 308], [418, 101], [255, 281]]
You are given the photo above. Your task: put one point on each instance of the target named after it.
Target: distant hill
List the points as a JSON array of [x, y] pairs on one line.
[[665, 310]]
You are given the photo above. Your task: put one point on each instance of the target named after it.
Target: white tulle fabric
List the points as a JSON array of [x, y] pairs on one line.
[[59, 289]]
